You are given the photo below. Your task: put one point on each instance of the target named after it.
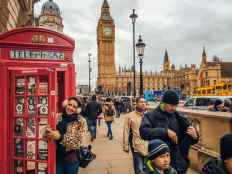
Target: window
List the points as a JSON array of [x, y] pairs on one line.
[[190, 102], [203, 101]]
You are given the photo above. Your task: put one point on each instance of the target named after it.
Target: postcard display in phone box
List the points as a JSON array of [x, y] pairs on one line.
[[37, 74]]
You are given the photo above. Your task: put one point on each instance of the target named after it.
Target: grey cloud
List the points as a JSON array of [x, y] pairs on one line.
[[185, 27]]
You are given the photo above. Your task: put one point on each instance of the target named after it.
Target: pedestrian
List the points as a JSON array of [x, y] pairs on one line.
[[121, 106], [101, 116], [92, 111], [165, 123], [109, 113], [70, 135], [217, 106], [131, 136], [117, 107], [158, 159], [211, 105], [227, 105], [222, 165]]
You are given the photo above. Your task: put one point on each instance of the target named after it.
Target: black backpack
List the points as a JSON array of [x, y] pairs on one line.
[[110, 111]]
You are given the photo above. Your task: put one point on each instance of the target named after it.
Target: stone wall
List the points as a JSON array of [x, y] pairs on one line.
[[211, 126], [15, 13]]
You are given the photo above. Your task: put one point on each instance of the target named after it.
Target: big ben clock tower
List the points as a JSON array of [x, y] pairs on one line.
[[105, 42]]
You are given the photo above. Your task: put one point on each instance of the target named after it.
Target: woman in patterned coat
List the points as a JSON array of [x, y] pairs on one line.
[[70, 135]]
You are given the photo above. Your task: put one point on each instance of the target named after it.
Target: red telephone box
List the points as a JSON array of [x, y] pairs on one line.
[[36, 73]]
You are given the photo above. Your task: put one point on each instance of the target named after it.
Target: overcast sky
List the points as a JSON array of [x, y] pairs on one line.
[[182, 27]]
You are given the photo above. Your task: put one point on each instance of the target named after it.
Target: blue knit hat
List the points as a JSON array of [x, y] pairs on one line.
[[156, 148]]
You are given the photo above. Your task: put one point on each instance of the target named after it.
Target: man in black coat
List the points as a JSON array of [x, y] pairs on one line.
[[165, 123], [92, 111]]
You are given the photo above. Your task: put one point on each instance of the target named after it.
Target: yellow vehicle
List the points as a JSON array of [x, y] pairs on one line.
[[204, 91], [220, 89]]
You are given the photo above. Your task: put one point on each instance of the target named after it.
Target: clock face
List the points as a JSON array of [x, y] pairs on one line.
[[106, 16], [107, 31]]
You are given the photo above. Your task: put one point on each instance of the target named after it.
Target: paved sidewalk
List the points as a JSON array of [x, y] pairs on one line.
[[110, 157]]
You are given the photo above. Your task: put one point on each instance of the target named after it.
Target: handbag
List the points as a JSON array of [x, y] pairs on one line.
[[109, 118], [85, 156]]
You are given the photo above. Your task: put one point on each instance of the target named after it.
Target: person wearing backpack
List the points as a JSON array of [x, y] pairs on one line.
[[109, 112]]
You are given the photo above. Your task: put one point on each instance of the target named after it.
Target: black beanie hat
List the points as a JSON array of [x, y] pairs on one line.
[[170, 97], [226, 147], [156, 148]]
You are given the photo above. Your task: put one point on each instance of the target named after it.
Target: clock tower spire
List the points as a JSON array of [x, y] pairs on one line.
[[106, 50]]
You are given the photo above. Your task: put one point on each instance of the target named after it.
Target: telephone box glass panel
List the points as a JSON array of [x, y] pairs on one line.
[[31, 145], [42, 127], [42, 168], [43, 105], [31, 103], [43, 85], [43, 150], [31, 85], [19, 106], [31, 168], [31, 128], [19, 166], [20, 86], [19, 127], [19, 147]]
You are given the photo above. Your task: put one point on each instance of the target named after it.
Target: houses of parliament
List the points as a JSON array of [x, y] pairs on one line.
[[118, 81]]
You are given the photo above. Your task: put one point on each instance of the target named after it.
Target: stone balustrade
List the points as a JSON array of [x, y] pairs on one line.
[[211, 126]]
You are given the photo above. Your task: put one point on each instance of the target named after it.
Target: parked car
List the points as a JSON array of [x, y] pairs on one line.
[[202, 102]]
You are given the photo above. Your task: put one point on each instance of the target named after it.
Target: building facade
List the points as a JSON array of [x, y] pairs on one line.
[[214, 71], [50, 16], [120, 82], [16, 13]]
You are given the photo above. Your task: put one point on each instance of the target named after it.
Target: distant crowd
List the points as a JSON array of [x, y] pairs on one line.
[[220, 106]]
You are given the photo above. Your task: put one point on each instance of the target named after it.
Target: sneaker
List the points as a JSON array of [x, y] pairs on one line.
[[111, 137]]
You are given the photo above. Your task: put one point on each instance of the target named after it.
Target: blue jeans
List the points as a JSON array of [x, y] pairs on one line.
[[138, 161], [93, 128], [109, 128], [66, 168]]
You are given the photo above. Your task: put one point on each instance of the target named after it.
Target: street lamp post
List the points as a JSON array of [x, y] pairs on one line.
[[89, 71], [140, 50], [133, 17]]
